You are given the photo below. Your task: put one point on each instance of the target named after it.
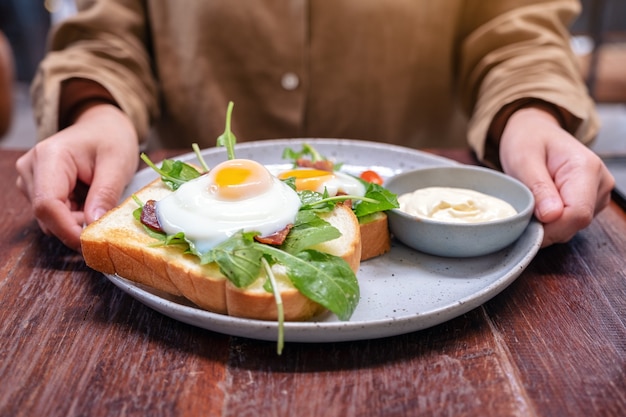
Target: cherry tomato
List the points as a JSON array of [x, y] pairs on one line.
[[371, 176]]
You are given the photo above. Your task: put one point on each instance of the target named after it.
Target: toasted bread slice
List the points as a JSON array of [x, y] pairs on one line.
[[118, 244], [375, 236]]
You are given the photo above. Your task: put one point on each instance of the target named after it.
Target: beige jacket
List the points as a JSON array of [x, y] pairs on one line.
[[419, 73]]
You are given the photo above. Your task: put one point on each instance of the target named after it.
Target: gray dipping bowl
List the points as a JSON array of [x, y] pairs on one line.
[[466, 239]]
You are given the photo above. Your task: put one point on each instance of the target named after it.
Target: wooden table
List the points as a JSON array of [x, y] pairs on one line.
[[72, 344]]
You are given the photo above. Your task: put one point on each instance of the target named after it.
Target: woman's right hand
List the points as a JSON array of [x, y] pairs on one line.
[[98, 153]]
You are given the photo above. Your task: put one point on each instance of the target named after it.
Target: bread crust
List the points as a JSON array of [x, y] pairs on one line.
[[118, 244], [375, 236], [261, 305]]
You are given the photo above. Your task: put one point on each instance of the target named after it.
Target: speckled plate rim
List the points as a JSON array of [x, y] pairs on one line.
[[401, 292]]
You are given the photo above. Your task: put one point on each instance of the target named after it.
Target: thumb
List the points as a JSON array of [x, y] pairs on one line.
[[548, 203], [105, 191]]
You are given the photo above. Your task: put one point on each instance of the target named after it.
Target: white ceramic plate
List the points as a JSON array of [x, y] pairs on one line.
[[402, 291]]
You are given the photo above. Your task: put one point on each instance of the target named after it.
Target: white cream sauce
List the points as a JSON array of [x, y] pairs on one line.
[[455, 205]]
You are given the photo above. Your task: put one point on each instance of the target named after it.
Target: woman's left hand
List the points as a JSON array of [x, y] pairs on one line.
[[570, 182]]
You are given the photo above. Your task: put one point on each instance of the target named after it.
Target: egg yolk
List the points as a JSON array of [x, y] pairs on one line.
[[308, 179], [239, 179]]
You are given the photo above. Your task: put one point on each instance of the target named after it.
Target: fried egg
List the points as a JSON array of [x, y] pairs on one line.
[[238, 194], [317, 180]]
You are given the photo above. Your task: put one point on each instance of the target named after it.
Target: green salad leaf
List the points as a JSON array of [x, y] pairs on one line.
[[307, 151], [228, 139], [323, 278], [238, 258], [377, 198], [272, 287], [309, 230], [174, 173]]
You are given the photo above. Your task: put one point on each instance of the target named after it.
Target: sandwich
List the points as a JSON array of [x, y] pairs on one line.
[[233, 239], [312, 171], [229, 277]]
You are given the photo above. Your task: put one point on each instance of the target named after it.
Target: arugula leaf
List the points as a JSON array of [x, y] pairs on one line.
[[321, 277], [173, 173], [308, 230], [137, 211], [178, 170], [314, 200], [238, 258], [377, 198], [196, 150], [291, 182], [273, 288], [227, 139], [307, 151]]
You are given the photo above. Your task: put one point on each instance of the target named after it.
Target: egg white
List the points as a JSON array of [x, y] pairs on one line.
[[340, 183], [207, 221]]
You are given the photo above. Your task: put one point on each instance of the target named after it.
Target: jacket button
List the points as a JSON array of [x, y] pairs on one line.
[[289, 81]]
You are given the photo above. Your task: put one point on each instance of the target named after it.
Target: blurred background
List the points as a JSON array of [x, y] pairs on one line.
[[599, 40]]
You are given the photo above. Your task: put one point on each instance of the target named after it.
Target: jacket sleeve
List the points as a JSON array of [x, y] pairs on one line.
[[105, 42], [517, 53]]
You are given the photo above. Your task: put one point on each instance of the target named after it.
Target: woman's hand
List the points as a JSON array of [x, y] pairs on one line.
[[570, 182], [75, 176]]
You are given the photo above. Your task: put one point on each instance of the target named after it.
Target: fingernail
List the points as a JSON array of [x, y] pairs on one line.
[[99, 212], [548, 209]]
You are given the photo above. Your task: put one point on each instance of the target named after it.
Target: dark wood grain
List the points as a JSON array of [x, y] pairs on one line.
[[552, 344]]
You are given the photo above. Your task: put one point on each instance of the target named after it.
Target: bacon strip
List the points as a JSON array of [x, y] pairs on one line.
[[275, 239], [323, 165], [149, 216]]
